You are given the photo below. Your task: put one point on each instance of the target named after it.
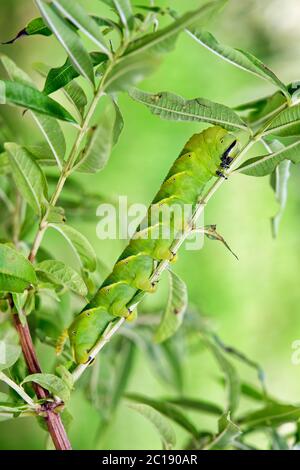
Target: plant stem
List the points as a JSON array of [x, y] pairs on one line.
[[53, 420]]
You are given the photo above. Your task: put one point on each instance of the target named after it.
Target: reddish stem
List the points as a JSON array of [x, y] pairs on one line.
[[54, 423]]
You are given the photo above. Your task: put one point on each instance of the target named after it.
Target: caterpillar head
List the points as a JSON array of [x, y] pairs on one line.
[[226, 145]]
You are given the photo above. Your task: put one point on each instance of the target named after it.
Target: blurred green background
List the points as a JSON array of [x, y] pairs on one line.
[[253, 302]]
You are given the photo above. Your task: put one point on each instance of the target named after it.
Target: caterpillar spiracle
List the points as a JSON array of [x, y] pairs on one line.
[[204, 156]]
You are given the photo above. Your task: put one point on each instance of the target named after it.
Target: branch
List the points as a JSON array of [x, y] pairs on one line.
[[53, 420]]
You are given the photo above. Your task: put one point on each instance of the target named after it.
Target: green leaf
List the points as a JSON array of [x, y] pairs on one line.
[[175, 310], [53, 135], [80, 245], [279, 442], [280, 180], [69, 40], [286, 124], [124, 367], [74, 92], [34, 27], [252, 392], [165, 430], [130, 71], [14, 72], [164, 40], [85, 23], [266, 164], [124, 10], [166, 359], [272, 415], [9, 352], [173, 107], [28, 97], [63, 275], [264, 109], [168, 410], [230, 373], [16, 272], [66, 376], [5, 133], [101, 140], [238, 57], [48, 126], [4, 163], [76, 95], [228, 431], [196, 405], [59, 77], [52, 383], [28, 176]]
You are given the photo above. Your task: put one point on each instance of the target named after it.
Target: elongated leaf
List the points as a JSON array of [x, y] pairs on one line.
[[164, 40], [228, 431], [266, 164], [263, 110], [14, 72], [76, 95], [124, 11], [34, 27], [124, 368], [80, 245], [28, 176], [173, 107], [287, 123], [48, 126], [101, 140], [196, 405], [59, 77], [168, 410], [63, 275], [5, 167], [165, 430], [175, 310], [278, 441], [274, 414], [85, 23], [16, 272], [74, 92], [27, 97], [9, 354], [6, 134], [52, 383], [130, 71], [249, 391], [166, 359], [69, 40], [53, 135], [37, 26], [230, 373], [238, 57], [279, 183]]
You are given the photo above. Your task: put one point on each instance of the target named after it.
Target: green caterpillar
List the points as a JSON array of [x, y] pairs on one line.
[[205, 155]]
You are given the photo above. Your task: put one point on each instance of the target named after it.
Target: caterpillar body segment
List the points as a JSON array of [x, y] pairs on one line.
[[204, 156]]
